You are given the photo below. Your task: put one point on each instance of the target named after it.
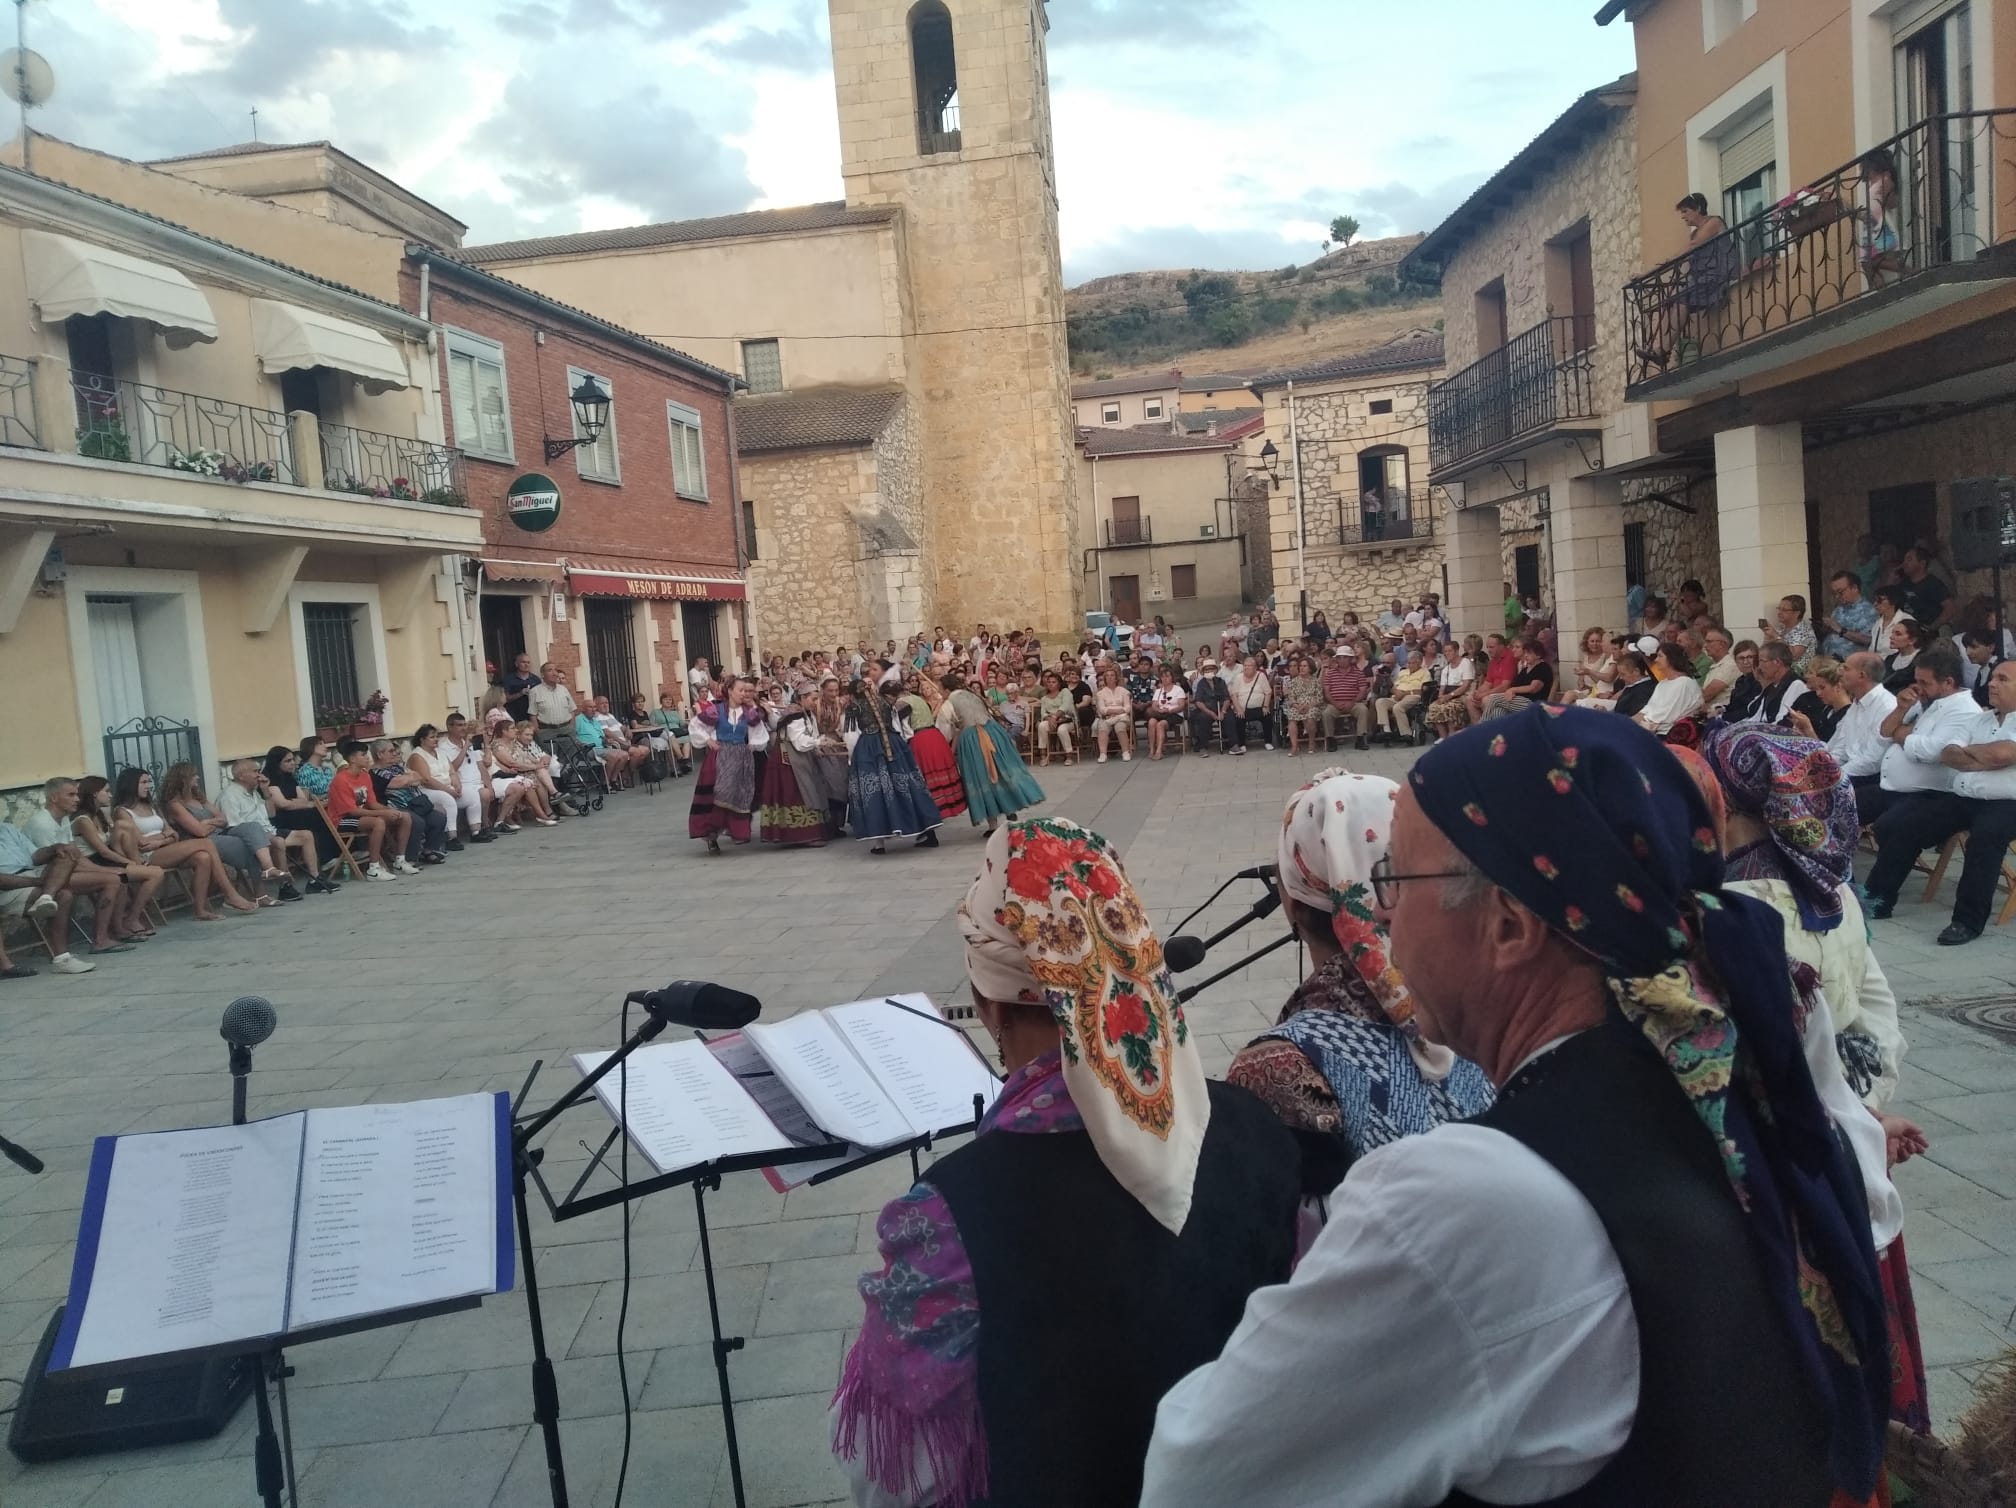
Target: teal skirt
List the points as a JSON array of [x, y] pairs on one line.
[[1011, 788]]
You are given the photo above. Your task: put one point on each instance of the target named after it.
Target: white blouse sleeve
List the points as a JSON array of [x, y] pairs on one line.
[[804, 735], [759, 734], [1857, 1123], [852, 737], [700, 733], [1876, 1014]]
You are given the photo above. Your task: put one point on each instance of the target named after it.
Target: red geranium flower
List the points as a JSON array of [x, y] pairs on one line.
[[1126, 1016]]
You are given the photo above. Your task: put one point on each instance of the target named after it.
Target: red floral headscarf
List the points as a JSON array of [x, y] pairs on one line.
[[1052, 920]]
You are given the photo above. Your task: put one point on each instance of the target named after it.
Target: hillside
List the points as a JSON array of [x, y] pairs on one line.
[[1349, 300]]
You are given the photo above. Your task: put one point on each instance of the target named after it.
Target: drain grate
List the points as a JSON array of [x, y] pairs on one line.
[[1993, 1014]]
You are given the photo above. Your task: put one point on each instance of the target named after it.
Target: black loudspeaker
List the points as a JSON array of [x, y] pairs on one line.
[[1984, 523], [59, 1415]]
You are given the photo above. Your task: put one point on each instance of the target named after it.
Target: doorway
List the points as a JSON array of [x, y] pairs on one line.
[[696, 625], [1936, 171], [1123, 598], [1526, 571], [1901, 516], [503, 633], [612, 650], [1126, 521]]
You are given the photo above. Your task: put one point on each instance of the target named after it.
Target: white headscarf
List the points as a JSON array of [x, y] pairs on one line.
[[1052, 920]]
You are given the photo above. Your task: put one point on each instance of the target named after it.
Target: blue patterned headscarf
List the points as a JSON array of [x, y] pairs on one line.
[[1585, 819]]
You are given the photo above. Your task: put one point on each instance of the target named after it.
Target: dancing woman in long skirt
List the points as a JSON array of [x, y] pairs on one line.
[[886, 794], [791, 812], [730, 731], [932, 749], [997, 783]]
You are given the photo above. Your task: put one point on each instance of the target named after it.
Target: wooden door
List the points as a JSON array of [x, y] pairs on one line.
[[1126, 521], [1123, 596]]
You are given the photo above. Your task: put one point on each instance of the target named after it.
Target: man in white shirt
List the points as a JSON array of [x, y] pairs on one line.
[[1480, 1314], [553, 708], [64, 873], [1932, 713], [1858, 744], [1982, 804]]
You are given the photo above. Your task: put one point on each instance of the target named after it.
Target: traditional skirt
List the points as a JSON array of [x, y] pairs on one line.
[[997, 781], [785, 814], [1909, 1402], [940, 772], [725, 794], [886, 796], [822, 785]]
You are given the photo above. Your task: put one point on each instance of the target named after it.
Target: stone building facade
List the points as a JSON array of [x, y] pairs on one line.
[[1345, 430]]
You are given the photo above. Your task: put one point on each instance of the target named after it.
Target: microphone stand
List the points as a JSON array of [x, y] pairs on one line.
[[269, 1454], [1184, 995]]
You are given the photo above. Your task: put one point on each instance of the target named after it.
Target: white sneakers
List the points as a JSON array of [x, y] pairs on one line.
[[377, 872], [1100, 760], [1125, 756], [404, 865], [70, 963], [44, 905]]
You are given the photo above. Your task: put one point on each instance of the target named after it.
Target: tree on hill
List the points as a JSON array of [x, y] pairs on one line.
[[1342, 229]]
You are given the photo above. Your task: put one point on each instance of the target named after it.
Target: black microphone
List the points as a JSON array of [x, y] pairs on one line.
[[248, 1021], [698, 1004], [1183, 953], [1267, 872], [21, 1157]]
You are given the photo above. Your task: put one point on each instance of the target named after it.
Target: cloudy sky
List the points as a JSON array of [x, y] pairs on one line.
[[1211, 133]]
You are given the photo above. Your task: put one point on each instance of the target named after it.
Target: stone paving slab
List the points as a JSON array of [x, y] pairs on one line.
[[460, 980]]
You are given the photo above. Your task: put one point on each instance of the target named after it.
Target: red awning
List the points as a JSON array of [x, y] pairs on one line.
[[524, 570], [696, 587]]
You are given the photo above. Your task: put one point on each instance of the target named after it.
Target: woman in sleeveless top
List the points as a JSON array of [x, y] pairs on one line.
[[1345, 1067], [141, 833], [190, 815]]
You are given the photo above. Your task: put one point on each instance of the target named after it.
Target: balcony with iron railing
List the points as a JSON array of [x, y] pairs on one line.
[[144, 425], [1121, 532], [1383, 517], [1537, 379], [938, 130], [1922, 221], [374, 465]]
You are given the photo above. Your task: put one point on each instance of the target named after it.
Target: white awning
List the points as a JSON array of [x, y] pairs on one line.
[[288, 337], [67, 277]]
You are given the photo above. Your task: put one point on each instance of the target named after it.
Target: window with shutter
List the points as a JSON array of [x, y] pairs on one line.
[[478, 399], [689, 461], [597, 462], [762, 366]]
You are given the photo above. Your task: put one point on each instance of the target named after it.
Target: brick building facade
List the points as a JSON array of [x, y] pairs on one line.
[[644, 567]]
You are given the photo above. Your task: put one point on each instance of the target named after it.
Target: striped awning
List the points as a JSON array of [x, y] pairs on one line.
[[524, 570]]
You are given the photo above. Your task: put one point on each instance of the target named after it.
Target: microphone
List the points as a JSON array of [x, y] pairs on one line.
[[248, 1021], [1183, 953], [699, 1004], [1267, 872], [21, 1157]]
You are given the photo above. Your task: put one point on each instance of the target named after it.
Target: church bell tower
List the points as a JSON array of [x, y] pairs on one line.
[[945, 116]]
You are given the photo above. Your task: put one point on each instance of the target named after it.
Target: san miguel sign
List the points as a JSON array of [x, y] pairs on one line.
[[533, 502], [613, 584]]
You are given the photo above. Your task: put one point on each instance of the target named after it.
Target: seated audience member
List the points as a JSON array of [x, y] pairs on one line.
[[1191, 1206], [1498, 667], [1675, 692], [1253, 697], [616, 734], [354, 803], [1211, 709], [1980, 800], [1792, 630], [118, 891], [432, 769], [1596, 671], [671, 724], [1851, 627], [1908, 640], [292, 808], [1782, 692], [589, 734], [1302, 703], [1748, 690], [1056, 719], [1824, 678], [1394, 712], [1167, 709], [1635, 684], [91, 828], [1719, 684], [465, 773], [1450, 709], [1859, 702], [511, 777], [399, 788], [1116, 715], [191, 815], [1932, 714], [243, 806], [143, 835], [1347, 694], [1977, 660], [529, 757], [1532, 680], [27, 890]]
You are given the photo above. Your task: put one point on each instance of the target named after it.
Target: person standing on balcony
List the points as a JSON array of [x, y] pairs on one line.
[[1702, 279], [1876, 237]]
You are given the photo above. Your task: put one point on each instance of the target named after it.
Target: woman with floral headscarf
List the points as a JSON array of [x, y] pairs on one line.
[[1345, 1067], [1047, 1283]]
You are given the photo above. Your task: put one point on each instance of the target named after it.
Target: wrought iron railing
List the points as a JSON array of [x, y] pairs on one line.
[[146, 425], [375, 465], [1130, 531], [1941, 195], [17, 403], [938, 130], [1539, 377], [1386, 516], [153, 744]]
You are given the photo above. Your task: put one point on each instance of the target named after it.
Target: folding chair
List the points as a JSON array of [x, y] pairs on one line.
[[1937, 873], [345, 851]]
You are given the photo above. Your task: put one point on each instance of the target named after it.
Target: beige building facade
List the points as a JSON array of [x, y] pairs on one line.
[[1121, 402], [1160, 528], [192, 567], [1353, 521], [939, 275]]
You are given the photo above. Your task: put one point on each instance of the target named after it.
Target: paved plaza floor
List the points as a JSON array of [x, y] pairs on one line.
[[458, 980]]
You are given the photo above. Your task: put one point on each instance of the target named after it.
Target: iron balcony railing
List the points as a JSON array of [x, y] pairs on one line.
[[375, 465], [1130, 531], [154, 744], [1939, 196], [938, 130], [1386, 516], [1539, 377], [17, 403], [146, 425]]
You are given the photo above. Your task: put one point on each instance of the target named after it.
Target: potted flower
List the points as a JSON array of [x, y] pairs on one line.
[[332, 720], [370, 718], [404, 490], [1804, 211], [102, 435]]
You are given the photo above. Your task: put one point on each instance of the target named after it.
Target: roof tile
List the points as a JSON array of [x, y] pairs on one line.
[[756, 222], [813, 418], [1400, 356]]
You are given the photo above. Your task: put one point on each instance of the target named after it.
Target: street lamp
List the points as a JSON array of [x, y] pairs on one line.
[[591, 417], [1270, 459]]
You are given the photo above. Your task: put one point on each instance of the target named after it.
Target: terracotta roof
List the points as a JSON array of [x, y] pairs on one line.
[[815, 418], [1135, 442], [242, 149], [1114, 387], [1217, 382], [1511, 185], [1401, 356], [756, 222], [1227, 420]]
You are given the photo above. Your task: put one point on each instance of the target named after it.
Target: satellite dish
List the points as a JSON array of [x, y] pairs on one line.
[[26, 77]]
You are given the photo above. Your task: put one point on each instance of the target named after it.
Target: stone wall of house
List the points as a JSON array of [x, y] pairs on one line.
[[803, 578], [1252, 512], [1599, 185], [1364, 580], [1681, 546]]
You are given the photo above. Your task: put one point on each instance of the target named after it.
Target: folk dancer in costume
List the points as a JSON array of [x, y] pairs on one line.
[[996, 781], [1655, 1222], [790, 812], [730, 731], [932, 749], [886, 795], [1345, 1067], [1049, 1280], [818, 754]]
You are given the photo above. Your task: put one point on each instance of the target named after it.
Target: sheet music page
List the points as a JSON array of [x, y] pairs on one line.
[[685, 1108], [752, 1071], [398, 1207], [928, 1066], [193, 1245], [816, 1064]]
